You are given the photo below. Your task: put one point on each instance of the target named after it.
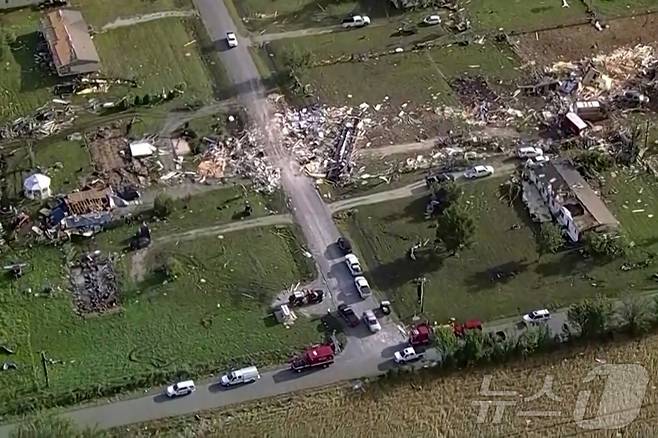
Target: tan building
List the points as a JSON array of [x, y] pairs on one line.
[[69, 41]]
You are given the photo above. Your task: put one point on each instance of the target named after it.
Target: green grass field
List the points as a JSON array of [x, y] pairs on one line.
[[278, 15], [64, 162], [466, 286], [24, 86], [153, 54], [411, 76], [100, 12], [617, 8], [524, 15], [214, 315]]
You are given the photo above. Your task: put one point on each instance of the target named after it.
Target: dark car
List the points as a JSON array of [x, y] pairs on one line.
[[439, 178], [348, 315], [344, 245]]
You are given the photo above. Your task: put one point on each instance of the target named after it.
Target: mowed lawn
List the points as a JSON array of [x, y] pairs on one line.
[[154, 55], [617, 8], [421, 77], [214, 315], [64, 161], [24, 85], [500, 275], [100, 12], [524, 15]]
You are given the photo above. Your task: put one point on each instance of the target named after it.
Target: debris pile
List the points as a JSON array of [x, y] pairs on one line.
[[44, 121], [94, 284], [322, 139]]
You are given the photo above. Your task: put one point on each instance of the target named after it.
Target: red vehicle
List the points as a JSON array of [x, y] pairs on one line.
[[461, 329], [321, 355], [420, 334]]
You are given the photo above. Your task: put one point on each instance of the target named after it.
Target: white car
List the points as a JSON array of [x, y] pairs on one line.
[[407, 355], [478, 172], [537, 316], [432, 20], [181, 388], [231, 39], [371, 321], [353, 264], [362, 287], [529, 152], [356, 21]]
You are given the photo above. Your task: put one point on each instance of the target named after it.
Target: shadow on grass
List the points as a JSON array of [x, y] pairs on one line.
[[33, 77], [403, 270], [413, 212], [500, 274], [270, 321]]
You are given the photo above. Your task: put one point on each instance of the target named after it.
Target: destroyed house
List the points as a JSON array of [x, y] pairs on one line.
[[89, 201], [570, 199], [73, 52]]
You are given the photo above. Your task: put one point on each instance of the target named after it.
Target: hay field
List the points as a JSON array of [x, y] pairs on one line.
[[437, 405]]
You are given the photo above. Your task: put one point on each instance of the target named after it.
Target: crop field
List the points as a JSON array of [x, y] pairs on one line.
[[24, 86], [214, 314], [447, 404], [502, 274], [153, 54], [99, 12]]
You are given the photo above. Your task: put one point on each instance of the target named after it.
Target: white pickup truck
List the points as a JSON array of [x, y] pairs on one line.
[[356, 21], [407, 355]]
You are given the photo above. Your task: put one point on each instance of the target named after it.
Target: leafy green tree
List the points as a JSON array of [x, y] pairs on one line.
[[608, 245], [455, 227], [591, 316], [163, 206], [636, 313], [549, 238], [472, 349], [446, 192], [593, 162], [296, 60], [446, 343]]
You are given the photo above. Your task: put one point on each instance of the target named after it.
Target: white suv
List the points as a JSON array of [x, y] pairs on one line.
[[362, 287], [537, 316], [353, 264]]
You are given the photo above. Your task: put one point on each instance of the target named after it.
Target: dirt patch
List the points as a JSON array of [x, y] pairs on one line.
[[583, 41]]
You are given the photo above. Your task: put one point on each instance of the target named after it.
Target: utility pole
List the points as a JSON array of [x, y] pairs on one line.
[[420, 291]]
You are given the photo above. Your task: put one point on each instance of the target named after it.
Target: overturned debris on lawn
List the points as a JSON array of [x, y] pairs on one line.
[[44, 121], [94, 284]]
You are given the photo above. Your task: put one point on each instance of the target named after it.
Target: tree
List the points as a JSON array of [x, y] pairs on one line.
[[446, 192], [163, 206], [609, 245], [455, 227], [636, 313], [473, 348], [549, 239], [50, 426], [593, 162], [173, 268], [296, 60], [591, 316], [446, 343]]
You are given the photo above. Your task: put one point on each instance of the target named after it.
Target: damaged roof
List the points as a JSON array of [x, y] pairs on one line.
[[69, 41], [569, 184], [89, 201]]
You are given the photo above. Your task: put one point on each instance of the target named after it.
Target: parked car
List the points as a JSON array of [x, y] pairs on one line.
[[231, 39], [529, 152], [537, 316], [181, 388], [439, 178], [243, 375], [356, 21], [362, 287], [353, 264], [344, 245], [478, 172], [370, 320], [432, 20], [348, 315], [407, 355]]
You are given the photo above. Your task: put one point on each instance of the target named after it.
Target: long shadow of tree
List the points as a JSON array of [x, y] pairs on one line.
[[403, 270], [33, 77], [499, 274]]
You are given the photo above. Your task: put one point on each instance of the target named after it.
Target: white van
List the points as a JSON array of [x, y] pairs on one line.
[[243, 375], [529, 152], [181, 388]]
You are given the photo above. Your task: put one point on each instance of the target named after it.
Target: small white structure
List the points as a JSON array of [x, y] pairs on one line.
[[37, 186], [141, 149]]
